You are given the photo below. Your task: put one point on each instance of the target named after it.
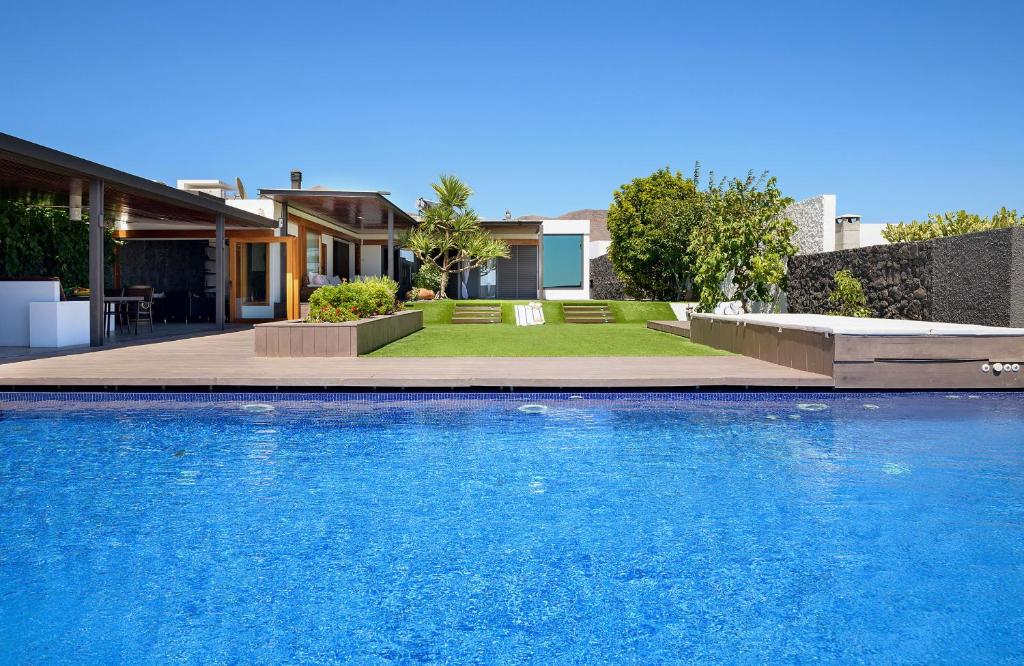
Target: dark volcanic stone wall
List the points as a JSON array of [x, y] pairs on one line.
[[971, 279], [175, 265], [604, 283], [896, 279]]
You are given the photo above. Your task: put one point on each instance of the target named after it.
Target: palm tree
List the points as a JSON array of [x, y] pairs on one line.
[[450, 236]]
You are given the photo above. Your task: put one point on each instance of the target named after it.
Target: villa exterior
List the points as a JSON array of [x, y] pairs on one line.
[[325, 236]]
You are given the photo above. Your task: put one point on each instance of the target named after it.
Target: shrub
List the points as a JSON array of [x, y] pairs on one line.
[[328, 314], [949, 224], [352, 300], [427, 277], [848, 297]]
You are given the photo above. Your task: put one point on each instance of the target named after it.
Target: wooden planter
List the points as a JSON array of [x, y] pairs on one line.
[[351, 338]]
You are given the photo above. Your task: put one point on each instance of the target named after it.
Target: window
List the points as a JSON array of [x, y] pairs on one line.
[[563, 262], [488, 280], [312, 252]]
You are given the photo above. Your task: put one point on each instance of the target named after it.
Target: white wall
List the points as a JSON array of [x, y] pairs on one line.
[[871, 233], [566, 227], [329, 241], [371, 264], [599, 248]]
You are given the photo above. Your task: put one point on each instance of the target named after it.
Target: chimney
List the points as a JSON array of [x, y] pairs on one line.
[[847, 231], [296, 179]]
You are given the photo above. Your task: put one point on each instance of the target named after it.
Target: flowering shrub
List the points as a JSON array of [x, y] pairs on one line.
[[352, 300]]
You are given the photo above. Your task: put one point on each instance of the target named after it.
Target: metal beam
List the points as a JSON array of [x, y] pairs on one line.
[[218, 256], [96, 274], [391, 244]]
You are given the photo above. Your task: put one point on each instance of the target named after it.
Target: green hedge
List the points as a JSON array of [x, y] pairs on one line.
[[41, 241]]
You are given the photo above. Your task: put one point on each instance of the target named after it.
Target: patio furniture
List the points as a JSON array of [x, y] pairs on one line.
[[531, 314], [119, 303], [113, 309], [144, 308]]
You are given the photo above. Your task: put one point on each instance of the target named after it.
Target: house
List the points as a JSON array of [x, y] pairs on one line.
[[326, 235], [548, 259]]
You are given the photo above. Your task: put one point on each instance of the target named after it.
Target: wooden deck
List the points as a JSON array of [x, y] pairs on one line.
[[680, 328], [227, 360]]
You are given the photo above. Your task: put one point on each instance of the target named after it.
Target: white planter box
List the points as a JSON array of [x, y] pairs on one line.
[[60, 324], [15, 296]]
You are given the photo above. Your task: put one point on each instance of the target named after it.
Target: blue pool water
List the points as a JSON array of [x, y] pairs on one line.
[[751, 528]]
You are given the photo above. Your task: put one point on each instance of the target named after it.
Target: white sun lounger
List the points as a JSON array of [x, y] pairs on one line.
[[531, 314]]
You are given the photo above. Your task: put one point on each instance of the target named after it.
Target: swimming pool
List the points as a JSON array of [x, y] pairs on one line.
[[457, 527]]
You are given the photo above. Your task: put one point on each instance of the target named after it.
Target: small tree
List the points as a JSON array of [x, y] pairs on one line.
[[742, 241], [848, 297], [450, 237], [649, 223]]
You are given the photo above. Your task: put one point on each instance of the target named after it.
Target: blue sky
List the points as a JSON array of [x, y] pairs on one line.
[[899, 108]]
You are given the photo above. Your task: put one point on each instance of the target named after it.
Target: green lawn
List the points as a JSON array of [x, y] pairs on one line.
[[628, 337]]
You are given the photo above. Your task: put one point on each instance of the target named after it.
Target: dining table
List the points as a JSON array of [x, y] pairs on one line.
[[120, 306]]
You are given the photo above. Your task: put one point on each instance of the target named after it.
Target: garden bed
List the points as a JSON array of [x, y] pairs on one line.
[[350, 338]]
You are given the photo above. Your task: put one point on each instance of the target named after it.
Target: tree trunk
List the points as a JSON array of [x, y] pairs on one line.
[[442, 286]]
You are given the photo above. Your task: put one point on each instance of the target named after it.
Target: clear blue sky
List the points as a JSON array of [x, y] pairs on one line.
[[900, 108]]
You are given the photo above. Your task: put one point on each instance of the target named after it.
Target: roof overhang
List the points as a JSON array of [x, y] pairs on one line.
[[357, 210], [36, 174]]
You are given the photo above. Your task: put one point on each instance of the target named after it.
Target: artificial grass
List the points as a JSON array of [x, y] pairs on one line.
[[629, 337], [626, 312]]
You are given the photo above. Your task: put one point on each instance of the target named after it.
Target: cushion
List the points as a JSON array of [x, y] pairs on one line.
[[334, 279]]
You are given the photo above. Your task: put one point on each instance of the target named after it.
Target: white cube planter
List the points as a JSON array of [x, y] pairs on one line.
[[60, 324]]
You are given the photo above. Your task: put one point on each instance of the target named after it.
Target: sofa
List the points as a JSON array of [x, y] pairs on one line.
[[314, 281]]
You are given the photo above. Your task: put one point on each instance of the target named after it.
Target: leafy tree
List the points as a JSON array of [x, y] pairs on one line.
[[741, 242], [848, 297], [649, 222], [450, 237], [954, 223]]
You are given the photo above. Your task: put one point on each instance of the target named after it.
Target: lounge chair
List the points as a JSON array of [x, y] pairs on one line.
[[531, 314]]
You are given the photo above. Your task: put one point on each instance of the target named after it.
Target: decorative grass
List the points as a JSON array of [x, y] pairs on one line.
[[628, 337]]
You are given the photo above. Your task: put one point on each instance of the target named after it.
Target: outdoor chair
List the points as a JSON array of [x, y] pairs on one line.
[[144, 310]]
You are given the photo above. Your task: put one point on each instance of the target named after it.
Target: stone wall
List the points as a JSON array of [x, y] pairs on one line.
[[970, 279], [814, 218], [605, 285]]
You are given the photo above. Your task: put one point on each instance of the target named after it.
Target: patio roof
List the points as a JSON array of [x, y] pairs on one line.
[[35, 173], [359, 210]]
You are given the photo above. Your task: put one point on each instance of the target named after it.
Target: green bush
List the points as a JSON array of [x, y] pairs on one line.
[[427, 277], [848, 297], [942, 225], [353, 300]]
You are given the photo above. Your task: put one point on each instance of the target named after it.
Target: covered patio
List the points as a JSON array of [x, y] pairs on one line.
[[137, 207], [343, 233]]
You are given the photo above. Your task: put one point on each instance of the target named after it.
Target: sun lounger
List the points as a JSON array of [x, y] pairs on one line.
[[531, 314]]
